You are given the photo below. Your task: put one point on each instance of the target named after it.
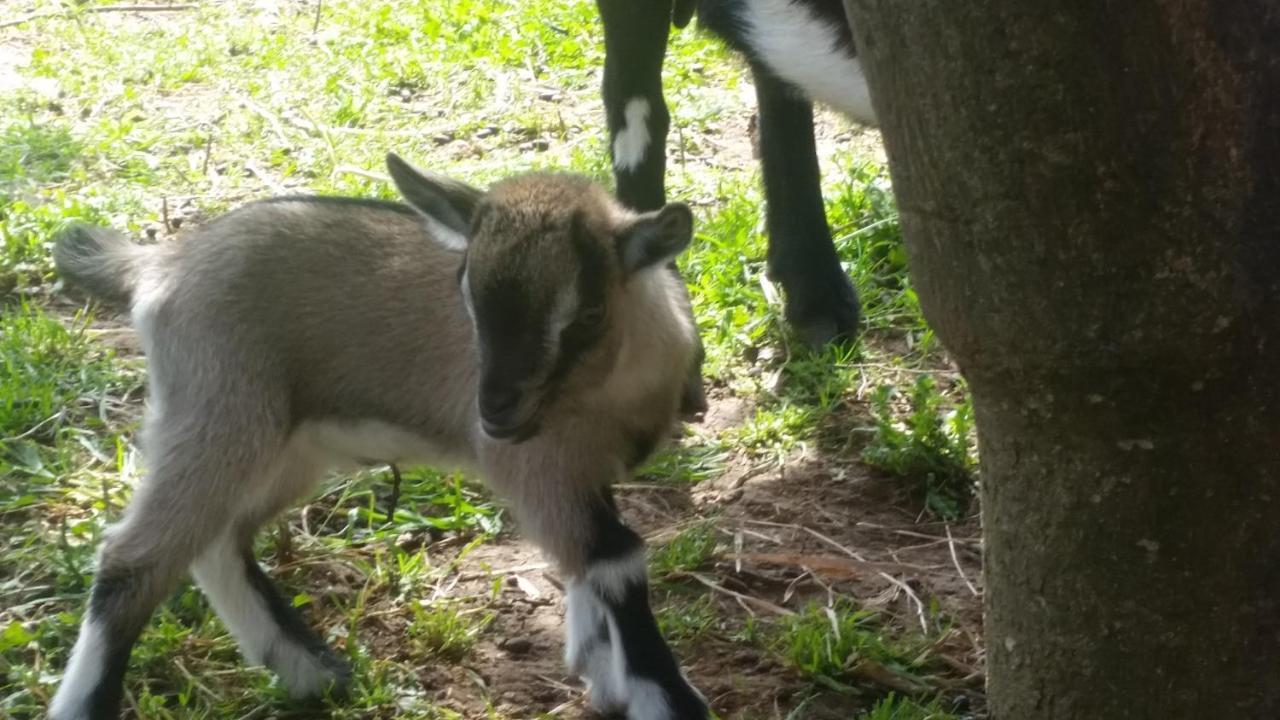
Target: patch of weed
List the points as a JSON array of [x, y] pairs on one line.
[[442, 631], [825, 643], [692, 549], [893, 707], [930, 445]]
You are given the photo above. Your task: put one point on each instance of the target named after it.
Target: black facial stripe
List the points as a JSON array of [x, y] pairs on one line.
[[593, 282], [290, 621], [512, 332]]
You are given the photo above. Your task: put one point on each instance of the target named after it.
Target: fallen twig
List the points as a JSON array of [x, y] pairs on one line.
[[869, 669], [814, 533], [911, 594], [951, 545], [741, 597]]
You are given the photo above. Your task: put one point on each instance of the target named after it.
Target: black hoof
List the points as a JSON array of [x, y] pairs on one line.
[[823, 312]]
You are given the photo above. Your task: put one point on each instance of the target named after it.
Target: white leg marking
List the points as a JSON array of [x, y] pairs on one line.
[[601, 661], [220, 572], [648, 701], [597, 660], [633, 139], [88, 658], [806, 52], [613, 577]]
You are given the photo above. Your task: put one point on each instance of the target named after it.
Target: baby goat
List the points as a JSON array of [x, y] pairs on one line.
[[531, 331]]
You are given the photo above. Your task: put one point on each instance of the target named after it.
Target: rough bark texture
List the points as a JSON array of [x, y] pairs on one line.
[[1090, 194]]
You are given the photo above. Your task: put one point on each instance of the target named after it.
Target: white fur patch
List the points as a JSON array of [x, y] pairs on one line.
[[657, 343], [152, 290], [602, 664], [611, 578], [465, 286], [345, 443], [220, 572], [631, 142], [88, 659], [445, 236], [648, 701], [803, 50]]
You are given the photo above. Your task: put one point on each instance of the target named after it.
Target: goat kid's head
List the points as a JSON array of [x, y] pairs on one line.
[[546, 262]]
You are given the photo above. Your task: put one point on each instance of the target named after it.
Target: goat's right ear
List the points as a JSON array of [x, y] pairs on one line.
[[655, 237], [449, 202]]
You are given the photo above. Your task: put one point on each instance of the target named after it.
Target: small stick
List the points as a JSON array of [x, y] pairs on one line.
[[284, 542], [814, 533], [395, 493], [208, 148], [740, 597], [924, 625], [358, 172], [164, 213], [35, 428], [103, 9], [316, 26], [951, 544]]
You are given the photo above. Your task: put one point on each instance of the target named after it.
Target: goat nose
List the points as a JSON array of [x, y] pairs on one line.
[[496, 402]]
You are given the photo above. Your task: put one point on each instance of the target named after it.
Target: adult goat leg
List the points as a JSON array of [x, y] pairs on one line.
[[821, 303], [635, 41]]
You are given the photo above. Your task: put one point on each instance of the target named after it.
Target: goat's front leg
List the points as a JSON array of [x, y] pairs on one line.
[[612, 637], [613, 641], [635, 44], [821, 303]]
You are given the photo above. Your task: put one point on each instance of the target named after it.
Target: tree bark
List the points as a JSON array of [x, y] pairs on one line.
[[1090, 196]]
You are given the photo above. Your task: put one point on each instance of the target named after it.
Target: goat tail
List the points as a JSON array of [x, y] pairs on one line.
[[99, 260]]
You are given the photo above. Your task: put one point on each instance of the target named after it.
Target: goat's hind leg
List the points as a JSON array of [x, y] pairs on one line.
[[174, 513], [269, 630], [821, 303]]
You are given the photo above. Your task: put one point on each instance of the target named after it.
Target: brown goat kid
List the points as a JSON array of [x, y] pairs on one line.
[[532, 332]]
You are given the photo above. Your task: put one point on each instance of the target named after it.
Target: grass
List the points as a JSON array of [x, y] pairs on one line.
[[896, 708], [931, 445], [150, 122]]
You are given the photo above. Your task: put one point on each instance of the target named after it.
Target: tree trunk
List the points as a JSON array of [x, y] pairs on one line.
[[1090, 195]]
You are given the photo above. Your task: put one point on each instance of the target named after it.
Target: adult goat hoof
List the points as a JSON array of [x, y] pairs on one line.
[[824, 312]]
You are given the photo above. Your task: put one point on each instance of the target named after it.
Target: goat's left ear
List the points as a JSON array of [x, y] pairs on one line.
[[450, 203], [655, 237]]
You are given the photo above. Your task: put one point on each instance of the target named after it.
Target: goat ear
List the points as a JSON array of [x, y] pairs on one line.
[[655, 237], [450, 203]]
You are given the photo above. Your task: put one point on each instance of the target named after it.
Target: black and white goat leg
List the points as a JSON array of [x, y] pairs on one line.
[[180, 519], [142, 560], [821, 303], [268, 628], [635, 41], [613, 639]]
